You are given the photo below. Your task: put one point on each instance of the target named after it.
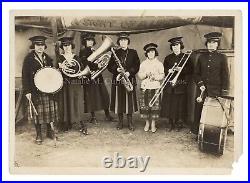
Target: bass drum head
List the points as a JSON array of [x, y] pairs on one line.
[[48, 80]]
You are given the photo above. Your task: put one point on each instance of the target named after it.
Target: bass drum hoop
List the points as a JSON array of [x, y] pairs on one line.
[[56, 71]]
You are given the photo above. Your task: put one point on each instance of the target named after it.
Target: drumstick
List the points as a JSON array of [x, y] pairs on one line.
[[32, 106], [30, 109], [199, 99]]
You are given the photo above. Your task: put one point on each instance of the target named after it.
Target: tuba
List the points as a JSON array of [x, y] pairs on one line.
[[171, 77], [101, 59]]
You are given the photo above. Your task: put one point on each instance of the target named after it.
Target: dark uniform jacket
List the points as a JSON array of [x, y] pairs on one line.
[[181, 84], [84, 54], [130, 61], [31, 65], [212, 71]]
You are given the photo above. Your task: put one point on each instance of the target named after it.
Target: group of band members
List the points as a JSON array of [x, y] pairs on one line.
[[82, 95]]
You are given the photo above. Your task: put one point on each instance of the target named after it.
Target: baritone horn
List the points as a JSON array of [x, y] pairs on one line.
[[171, 77], [100, 57]]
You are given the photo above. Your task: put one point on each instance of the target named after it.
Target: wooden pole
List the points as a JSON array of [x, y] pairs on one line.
[[55, 38]]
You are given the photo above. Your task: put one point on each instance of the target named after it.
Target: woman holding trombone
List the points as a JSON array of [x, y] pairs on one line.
[[173, 105]]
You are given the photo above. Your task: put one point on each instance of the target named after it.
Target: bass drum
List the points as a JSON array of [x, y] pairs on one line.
[[213, 127], [48, 80], [212, 139]]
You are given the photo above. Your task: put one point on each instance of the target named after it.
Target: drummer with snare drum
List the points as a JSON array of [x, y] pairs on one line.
[[42, 108], [211, 74]]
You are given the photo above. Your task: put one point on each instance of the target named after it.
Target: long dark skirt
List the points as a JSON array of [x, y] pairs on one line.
[[173, 106], [123, 101], [46, 108], [146, 111], [71, 105], [96, 97]]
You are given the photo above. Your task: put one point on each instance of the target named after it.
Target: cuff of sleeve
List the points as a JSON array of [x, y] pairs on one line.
[[224, 92]]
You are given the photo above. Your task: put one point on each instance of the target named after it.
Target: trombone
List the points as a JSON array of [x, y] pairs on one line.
[[171, 77]]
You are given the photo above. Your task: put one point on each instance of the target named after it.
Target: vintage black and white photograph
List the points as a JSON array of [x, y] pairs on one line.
[[125, 91]]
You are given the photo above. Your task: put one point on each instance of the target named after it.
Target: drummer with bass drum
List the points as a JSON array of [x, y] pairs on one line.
[[42, 108], [211, 74]]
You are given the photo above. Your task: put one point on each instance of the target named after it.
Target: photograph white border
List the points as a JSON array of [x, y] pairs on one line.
[[240, 168]]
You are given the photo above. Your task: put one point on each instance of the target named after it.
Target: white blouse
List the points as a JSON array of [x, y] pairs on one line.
[[151, 73]]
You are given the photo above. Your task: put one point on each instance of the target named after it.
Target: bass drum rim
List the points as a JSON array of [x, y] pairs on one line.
[[36, 80]]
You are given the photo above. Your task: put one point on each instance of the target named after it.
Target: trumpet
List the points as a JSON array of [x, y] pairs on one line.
[[171, 77], [122, 76]]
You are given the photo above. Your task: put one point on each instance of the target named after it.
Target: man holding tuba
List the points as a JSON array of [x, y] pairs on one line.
[[124, 64], [96, 95]]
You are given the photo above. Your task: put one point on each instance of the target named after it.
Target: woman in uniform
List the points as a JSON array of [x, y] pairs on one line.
[[123, 101], [174, 104], [44, 104], [96, 94], [72, 99]]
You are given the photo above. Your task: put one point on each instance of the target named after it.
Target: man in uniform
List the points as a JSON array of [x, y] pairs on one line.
[[211, 74]]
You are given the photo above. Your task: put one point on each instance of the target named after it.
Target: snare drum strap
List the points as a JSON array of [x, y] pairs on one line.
[[226, 114]]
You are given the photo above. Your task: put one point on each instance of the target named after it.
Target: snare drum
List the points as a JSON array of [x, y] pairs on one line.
[[48, 80], [213, 127]]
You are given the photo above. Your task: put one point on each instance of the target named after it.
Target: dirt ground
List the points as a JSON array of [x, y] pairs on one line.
[[166, 149]]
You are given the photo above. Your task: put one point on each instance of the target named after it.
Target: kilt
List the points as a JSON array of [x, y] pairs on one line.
[[173, 106], [123, 101], [47, 109], [96, 97], [145, 110]]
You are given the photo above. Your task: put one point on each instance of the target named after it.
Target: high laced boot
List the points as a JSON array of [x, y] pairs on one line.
[[120, 122], [130, 122], [108, 116], [38, 134], [84, 129], [172, 126]]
